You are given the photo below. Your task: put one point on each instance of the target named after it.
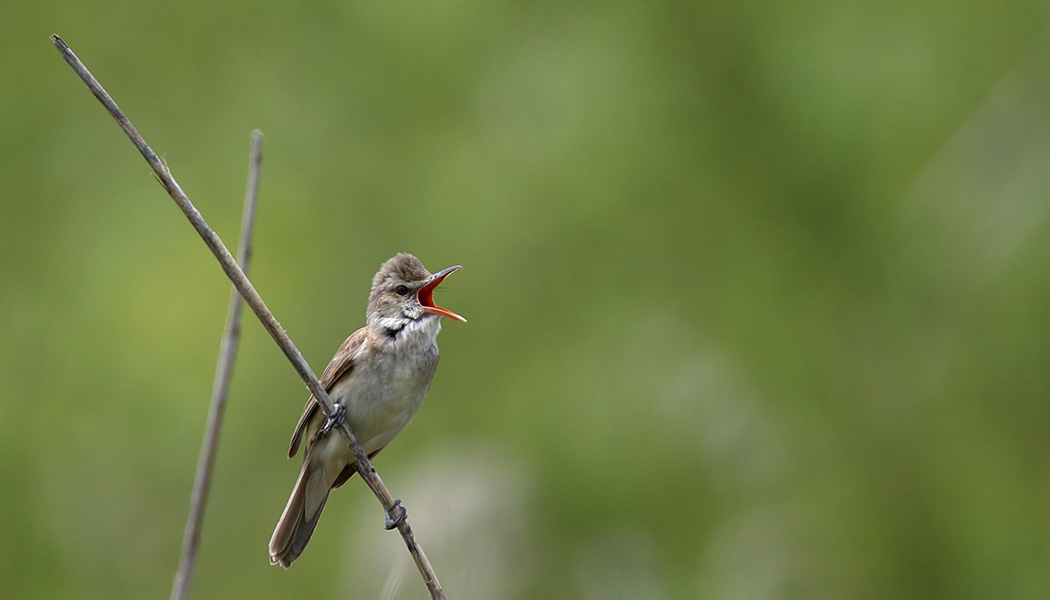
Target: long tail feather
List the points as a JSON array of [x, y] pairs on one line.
[[295, 526]]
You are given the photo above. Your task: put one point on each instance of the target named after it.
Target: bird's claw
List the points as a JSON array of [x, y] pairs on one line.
[[336, 418], [392, 523]]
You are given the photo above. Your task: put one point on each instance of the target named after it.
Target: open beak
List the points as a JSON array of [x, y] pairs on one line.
[[425, 295]]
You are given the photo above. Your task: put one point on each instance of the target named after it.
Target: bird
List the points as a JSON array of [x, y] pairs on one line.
[[377, 379]]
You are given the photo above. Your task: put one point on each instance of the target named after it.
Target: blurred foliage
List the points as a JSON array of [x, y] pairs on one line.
[[757, 293]]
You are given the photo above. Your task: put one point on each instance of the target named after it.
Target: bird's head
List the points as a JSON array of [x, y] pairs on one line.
[[403, 290]]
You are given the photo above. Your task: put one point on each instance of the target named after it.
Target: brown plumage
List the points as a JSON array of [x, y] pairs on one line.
[[380, 374]]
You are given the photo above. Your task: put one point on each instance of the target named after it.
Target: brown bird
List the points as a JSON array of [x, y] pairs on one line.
[[378, 379]]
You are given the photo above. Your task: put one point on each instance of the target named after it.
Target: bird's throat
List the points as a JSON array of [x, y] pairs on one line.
[[403, 330]]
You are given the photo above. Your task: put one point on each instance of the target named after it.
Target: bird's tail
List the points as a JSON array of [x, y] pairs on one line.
[[300, 515]]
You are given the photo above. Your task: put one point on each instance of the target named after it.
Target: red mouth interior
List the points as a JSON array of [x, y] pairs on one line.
[[425, 296]]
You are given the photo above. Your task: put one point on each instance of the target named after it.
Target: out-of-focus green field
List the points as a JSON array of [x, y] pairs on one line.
[[759, 294]]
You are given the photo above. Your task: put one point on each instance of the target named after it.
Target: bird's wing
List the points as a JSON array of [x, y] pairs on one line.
[[340, 366]]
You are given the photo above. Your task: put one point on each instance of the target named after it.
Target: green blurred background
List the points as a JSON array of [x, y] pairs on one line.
[[759, 294]]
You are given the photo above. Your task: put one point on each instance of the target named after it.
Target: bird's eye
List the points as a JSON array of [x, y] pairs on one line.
[[401, 290]]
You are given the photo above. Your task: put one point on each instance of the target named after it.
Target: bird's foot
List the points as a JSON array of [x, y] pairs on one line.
[[337, 417], [392, 523]]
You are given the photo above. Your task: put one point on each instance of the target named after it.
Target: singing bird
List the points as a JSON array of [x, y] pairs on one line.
[[378, 379]]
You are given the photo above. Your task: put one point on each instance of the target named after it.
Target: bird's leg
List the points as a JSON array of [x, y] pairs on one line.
[[392, 523], [337, 417]]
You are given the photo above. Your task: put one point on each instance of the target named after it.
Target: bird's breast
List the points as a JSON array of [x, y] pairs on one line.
[[384, 391]]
